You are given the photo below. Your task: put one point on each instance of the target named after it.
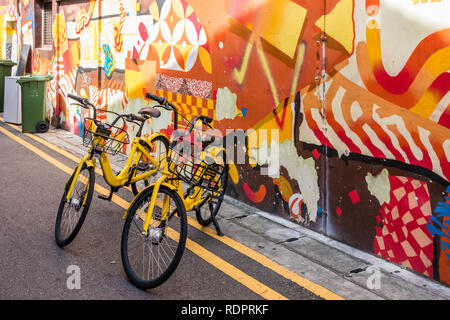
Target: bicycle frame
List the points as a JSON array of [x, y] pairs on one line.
[[123, 178]]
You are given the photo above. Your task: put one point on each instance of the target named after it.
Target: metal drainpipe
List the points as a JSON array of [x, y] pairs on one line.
[[324, 75]]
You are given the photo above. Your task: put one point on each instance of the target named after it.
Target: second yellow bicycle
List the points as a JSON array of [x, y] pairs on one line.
[[102, 138], [194, 178]]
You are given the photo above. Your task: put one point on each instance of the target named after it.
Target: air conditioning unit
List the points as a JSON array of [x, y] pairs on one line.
[[12, 111]]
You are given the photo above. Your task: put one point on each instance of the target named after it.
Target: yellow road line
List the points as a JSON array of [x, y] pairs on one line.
[[61, 166], [230, 270], [55, 148], [248, 281], [269, 264], [44, 142]]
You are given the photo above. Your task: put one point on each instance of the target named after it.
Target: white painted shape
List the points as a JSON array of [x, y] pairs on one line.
[[165, 31], [355, 111], [334, 139], [202, 37], [446, 146], [350, 71], [377, 141], [401, 127], [412, 23], [379, 186], [165, 9], [226, 107], [191, 33], [177, 32], [153, 32], [300, 169], [191, 59], [384, 124], [425, 138], [296, 209], [441, 107], [172, 63], [306, 134]]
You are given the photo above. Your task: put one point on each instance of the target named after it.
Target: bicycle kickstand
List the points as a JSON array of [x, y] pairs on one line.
[[108, 198], [216, 225]]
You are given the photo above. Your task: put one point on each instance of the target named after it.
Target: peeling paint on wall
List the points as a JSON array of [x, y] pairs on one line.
[[226, 107], [300, 169], [379, 186]]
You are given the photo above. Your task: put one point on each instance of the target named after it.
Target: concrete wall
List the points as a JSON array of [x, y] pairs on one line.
[[345, 103]]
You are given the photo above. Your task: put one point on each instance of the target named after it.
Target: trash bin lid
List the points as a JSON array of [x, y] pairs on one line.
[[34, 78], [6, 62]]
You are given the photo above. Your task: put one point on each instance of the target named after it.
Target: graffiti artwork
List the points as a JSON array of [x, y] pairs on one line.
[[346, 122]]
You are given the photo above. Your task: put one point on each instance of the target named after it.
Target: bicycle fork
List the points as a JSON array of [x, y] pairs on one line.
[[89, 163], [153, 199]]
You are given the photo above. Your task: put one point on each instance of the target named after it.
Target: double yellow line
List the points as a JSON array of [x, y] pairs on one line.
[[235, 273]]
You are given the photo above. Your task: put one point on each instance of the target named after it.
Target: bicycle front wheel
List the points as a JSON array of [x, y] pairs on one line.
[[71, 214], [149, 260]]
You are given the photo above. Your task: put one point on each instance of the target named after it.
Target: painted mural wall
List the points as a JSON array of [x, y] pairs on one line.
[[9, 36], [345, 105]]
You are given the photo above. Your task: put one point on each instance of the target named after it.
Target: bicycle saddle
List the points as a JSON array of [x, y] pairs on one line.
[[152, 112]]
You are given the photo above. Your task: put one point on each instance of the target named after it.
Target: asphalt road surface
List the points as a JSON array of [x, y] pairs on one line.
[[32, 178]]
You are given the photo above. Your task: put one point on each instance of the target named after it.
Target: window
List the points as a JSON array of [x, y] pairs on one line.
[[43, 20], [47, 24]]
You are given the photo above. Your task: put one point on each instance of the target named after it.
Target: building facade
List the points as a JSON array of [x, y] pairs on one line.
[[344, 105]]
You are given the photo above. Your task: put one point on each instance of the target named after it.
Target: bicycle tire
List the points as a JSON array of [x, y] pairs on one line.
[[77, 223], [213, 206], [154, 241], [137, 187]]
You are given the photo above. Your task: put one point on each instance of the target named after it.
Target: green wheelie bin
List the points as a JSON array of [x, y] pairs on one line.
[[5, 71], [33, 103]]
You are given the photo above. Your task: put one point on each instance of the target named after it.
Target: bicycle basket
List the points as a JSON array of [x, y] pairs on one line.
[[193, 166], [105, 138]]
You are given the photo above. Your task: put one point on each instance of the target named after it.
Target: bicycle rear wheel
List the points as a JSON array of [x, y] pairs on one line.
[[149, 260], [211, 207], [160, 146], [72, 213]]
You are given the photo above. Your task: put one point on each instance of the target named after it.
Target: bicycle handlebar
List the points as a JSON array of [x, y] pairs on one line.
[[166, 105], [160, 100], [83, 101], [85, 104], [131, 117]]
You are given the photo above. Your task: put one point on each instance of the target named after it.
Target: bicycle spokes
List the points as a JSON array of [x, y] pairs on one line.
[[150, 257]]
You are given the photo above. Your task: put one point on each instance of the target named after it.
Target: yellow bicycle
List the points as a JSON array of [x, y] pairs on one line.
[[155, 230], [143, 162]]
